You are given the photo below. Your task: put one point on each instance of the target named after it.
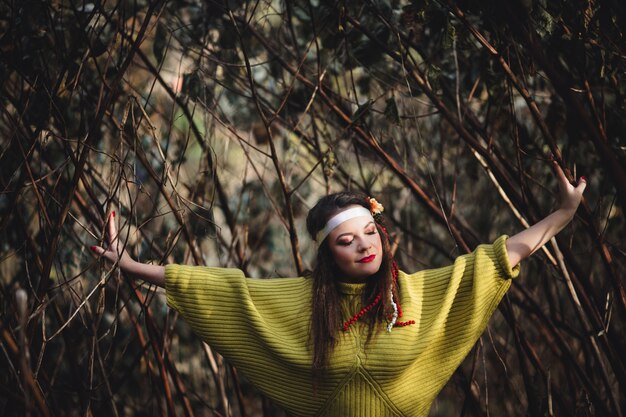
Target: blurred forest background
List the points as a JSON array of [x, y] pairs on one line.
[[211, 127]]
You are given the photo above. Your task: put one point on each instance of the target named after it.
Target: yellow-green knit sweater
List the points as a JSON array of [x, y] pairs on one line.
[[262, 327]]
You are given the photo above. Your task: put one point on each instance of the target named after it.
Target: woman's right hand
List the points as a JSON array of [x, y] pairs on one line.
[[115, 251]]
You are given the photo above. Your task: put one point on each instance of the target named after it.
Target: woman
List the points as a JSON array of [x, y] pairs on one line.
[[360, 338]]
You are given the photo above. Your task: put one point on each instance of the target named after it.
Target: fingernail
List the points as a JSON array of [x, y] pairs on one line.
[[93, 248], [113, 214], [583, 179]]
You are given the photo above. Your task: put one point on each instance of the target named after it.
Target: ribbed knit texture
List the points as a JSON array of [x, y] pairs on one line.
[[262, 327]]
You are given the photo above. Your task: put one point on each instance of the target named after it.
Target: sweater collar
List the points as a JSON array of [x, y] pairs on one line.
[[350, 288]]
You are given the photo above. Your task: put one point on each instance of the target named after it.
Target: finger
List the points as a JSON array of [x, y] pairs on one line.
[[582, 184], [560, 174], [108, 255], [112, 229], [97, 250]]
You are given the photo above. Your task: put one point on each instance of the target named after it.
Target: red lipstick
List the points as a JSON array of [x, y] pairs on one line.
[[367, 259]]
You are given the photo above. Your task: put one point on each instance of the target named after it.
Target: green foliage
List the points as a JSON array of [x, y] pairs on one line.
[[160, 42], [391, 111]]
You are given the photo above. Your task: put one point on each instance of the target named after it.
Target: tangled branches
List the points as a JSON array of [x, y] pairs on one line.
[[211, 129]]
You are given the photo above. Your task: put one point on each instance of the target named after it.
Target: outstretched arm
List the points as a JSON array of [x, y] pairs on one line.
[[524, 244], [154, 274]]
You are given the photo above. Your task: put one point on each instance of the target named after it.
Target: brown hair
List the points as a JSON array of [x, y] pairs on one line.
[[326, 315]]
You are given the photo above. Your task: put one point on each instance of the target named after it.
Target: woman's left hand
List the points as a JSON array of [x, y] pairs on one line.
[[570, 196], [525, 243]]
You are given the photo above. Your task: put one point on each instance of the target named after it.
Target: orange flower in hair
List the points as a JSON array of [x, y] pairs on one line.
[[375, 206]]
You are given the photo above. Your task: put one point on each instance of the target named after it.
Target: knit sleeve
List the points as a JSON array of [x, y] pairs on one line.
[[258, 325], [463, 296], [451, 307], [227, 310], [207, 298], [468, 292]]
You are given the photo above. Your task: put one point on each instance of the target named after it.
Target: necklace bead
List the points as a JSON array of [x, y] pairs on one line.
[[365, 310]]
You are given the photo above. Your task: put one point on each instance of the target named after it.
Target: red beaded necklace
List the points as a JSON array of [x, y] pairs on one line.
[[373, 304], [366, 309]]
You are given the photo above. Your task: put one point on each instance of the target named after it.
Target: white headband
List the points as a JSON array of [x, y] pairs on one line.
[[339, 218]]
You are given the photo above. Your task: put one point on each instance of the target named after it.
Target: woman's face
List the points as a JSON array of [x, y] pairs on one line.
[[357, 248]]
